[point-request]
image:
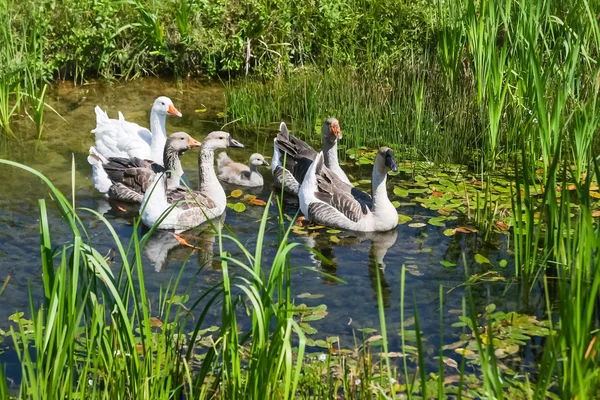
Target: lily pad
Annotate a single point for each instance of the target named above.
(239, 207)
(333, 231)
(447, 264)
(334, 239)
(417, 225)
(481, 259)
(438, 221)
(398, 191)
(503, 263)
(402, 219)
(236, 193)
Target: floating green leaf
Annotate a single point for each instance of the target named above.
(447, 264)
(503, 263)
(417, 225)
(239, 207)
(400, 192)
(402, 219)
(481, 259)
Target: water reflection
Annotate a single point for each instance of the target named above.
(163, 246)
(380, 244)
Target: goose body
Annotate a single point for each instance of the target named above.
(121, 138)
(240, 174)
(182, 209)
(292, 157)
(127, 179)
(326, 199)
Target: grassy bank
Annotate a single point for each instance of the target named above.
(78, 40)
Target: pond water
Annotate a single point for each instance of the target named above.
(350, 306)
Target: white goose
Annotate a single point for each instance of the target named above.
(299, 156)
(325, 199)
(120, 138)
(189, 209)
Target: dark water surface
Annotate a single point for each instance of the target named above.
(352, 305)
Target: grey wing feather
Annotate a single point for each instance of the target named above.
(121, 192)
(189, 199)
(338, 194)
(286, 179)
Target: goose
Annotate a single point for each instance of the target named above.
(120, 138)
(127, 179)
(325, 199)
(189, 209)
(299, 156)
(240, 174)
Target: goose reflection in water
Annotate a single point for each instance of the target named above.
(163, 246)
(381, 243)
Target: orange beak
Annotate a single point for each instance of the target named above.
(335, 129)
(194, 142)
(173, 111)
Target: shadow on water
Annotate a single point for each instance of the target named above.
(351, 257)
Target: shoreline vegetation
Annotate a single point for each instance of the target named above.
(509, 88)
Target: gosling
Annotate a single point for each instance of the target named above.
(239, 174)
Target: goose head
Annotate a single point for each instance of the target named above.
(164, 105)
(257, 160)
(385, 161)
(331, 131)
(181, 142)
(219, 140)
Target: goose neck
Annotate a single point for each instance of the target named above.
(379, 182)
(159, 136)
(173, 166)
(208, 183)
(330, 153)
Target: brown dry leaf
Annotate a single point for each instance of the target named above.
(502, 226)
(450, 362)
(393, 354)
(155, 322)
(572, 186)
(437, 194)
(478, 183)
(465, 229)
(374, 338)
(444, 212)
(453, 346)
(258, 202)
(451, 379)
(595, 195)
(596, 213)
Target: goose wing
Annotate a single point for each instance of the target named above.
(189, 199)
(134, 173)
(337, 194)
